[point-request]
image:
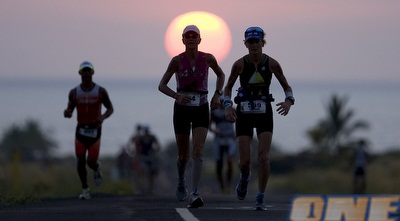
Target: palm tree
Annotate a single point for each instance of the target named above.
(336, 129)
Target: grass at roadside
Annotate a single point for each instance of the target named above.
(30, 182)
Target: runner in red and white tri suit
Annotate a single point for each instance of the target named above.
(88, 99)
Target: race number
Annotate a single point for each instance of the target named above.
(88, 132)
(194, 99)
(255, 107)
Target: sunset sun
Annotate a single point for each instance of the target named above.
(215, 34)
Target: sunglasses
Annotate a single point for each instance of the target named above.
(190, 36)
(253, 41)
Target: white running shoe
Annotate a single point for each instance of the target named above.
(85, 195)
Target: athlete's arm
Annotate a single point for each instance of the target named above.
(70, 105)
(163, 85)
(107, 104)
(237, 68)
(276, 68)
(213, 64)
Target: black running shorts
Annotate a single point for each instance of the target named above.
(186, 116)
(245, 123)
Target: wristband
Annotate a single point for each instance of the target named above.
(291, 99)
(227, 103)
(288, 94)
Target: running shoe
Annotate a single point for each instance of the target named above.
(181, 191)
(85, 195)
(241, 188)
(195, 201)
(260, 206)
(98, 176)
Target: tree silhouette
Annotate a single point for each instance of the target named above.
(336, 129)
(29, 141)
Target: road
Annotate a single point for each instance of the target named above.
(148, 208)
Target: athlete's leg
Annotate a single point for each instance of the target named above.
(182, 141)
(218, 169)
(93, 155)
(230, 158)
(199, 138)
(218, 161)
(244, 144)
(80, 152)
(229, 169)
(264, 145)
(244, 148)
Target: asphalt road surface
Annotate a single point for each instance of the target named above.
(148, 208)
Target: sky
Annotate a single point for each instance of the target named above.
(313, 40)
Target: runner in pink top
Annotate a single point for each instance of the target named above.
(191, 110)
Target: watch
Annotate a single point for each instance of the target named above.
(219, 92)
(291, 99)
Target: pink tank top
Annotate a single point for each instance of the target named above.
(193, 78)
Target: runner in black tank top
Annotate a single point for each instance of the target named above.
(254, 109)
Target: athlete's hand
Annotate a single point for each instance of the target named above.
(215, 102)
(68, 113)
(99, 121)
(284, 107)
(230, 114)
(182, 98)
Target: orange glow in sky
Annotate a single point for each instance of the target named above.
(214, 32)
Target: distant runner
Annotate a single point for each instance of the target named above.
(88, 98)
(224, 146)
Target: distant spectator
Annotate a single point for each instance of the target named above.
(134, 140)
(124, 163)
(148, 161)
(360, 159)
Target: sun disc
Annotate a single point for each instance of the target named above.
(214, 32)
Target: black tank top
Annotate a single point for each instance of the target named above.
(256, 81)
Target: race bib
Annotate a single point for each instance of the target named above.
(194, 99)
(87, 132)
(255, 107)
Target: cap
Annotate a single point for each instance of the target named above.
(191, 28)
(254, 33)
(86, 64)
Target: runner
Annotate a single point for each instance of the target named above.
(191, 110)
(224, 146)
(254, 109)
(88, 98)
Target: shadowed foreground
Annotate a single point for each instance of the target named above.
(147, 208)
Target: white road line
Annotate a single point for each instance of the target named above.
(186, 215)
